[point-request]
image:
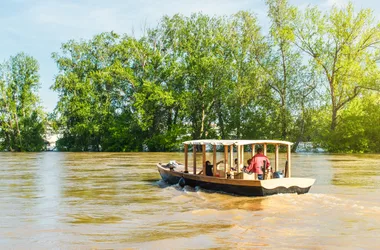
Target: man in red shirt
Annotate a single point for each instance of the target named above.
(257, 164)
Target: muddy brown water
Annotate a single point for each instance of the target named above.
(57, 200)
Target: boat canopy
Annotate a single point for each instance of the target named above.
(236, 142)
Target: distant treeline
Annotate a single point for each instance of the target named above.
(313, 76)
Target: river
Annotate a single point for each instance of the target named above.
(58, 200)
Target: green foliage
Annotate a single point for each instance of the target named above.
(21, 118)
(343, 46)
(311, 78)
(358, 130)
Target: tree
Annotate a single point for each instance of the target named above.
(22, 118)
(245, 89)
(194, 44)
(288, 77)
(158, 94)
(344, 48)
(94, 86)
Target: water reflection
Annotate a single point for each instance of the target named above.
(356, 171)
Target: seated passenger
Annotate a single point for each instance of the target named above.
(245, 167)
(209, 168)
(235, 166)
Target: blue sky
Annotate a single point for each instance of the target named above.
(39, 27)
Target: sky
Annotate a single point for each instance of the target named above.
(39, 27)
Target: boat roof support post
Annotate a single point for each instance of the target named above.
(276, 159)
(289, 172)
(186, 158)
(253, 150)
(265, 149)
(226, 166)
(194, 159)
(238, 149)
(231, 156)
(242, 156)
(204, 158)
(214, 160)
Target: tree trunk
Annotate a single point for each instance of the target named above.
(238, 120)
(175, 116)
(302, 130)
(334, 118)
(283, 118)
(334, 112)
(203, 130)
(221, 121)
(18, 134)
(169, 122)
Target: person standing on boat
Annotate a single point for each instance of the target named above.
(257, 164)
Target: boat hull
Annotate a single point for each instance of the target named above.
(245, 190)
(238, 186)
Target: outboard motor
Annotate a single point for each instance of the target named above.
(278, 174)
